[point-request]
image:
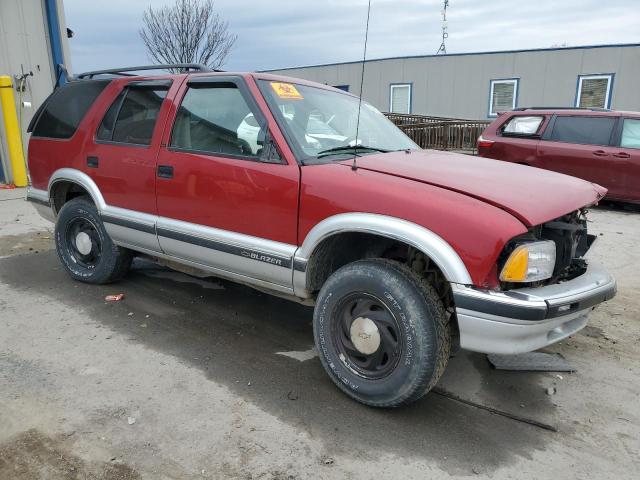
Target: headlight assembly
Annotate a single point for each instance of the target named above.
(530, 262)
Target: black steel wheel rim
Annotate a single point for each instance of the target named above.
(384, 360)
(76, 227)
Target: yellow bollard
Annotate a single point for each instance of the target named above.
(12, 130)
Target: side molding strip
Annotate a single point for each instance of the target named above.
(142, 227)
(38, 200)
(276, 260)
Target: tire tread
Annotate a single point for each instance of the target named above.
(428, 377)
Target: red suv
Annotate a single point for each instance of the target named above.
(301, 190)
(601, 146)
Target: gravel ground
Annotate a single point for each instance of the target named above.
(193, 379)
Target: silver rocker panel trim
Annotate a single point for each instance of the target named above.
(264, 260)
(218, 272)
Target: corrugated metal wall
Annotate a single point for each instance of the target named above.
(458, 85)
(24, 47)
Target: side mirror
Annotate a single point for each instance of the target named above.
(269, 152)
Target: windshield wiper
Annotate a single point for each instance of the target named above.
(347, 148)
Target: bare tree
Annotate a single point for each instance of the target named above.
(190, 31)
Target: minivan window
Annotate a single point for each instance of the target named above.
(521, 125)
(583, 130)
(66, 107)
(630, 133)
(132, 116)
(215, 118)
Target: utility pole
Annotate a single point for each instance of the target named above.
(445, 34)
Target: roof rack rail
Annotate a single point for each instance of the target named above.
(124, 70)
(592, 109)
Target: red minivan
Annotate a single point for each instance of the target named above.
(602, 146)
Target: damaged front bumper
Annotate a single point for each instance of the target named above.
(527, 319)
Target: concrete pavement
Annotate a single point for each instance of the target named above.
(185, 379)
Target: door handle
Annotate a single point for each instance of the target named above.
(600, 153)
(92, 162)
(622, 155)
(165, 171)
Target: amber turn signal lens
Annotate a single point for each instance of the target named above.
(515, 270)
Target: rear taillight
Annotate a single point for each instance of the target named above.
(484, 143)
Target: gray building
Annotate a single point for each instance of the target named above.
(479, 85)
(33, 39)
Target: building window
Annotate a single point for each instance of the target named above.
(503, 96)
(342, 87)
(594, 91)
(400, 98)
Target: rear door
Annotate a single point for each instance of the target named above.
(226, 197)
(121, 159)
(627, 160)
(121, 154)
(580, 146)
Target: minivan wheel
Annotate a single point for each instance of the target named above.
(382, 332)
(84, 247)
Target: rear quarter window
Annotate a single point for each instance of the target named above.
(522, 125)
(66, 107)
(583, 130)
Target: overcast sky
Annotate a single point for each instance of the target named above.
(296, 32)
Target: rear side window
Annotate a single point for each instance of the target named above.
(630, 134)
(521, 125)
(132, 116)
(583, 130)
(66, 108)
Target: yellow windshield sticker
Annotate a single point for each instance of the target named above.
(286, 90)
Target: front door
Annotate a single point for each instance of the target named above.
(226, 198)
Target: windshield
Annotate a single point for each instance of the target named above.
(319, 122)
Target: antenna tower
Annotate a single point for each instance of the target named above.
(445, 33)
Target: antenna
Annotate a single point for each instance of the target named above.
(445, 33)
(364, 58)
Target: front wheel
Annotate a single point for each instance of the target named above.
(382, 332)
(84, 247)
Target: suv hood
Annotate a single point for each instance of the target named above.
(532, 195)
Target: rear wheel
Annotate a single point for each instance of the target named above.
(382, 332)
(84, 247)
